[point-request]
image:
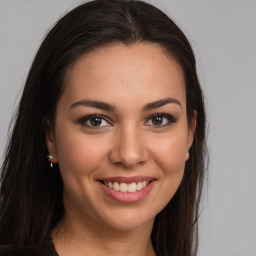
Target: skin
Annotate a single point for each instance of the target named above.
(127, 143)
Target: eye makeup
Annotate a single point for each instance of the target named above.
(97, 121)
(159, 120)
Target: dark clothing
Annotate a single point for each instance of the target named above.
(47, 250)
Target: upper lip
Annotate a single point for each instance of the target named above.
(128, 180)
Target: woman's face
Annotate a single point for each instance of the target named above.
(121, 136)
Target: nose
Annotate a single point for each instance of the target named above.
(129, 149)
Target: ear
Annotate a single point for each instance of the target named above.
(50, 142)
(191, 132)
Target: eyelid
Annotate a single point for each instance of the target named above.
(171, 119)
(84, 119)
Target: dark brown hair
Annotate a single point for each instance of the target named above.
(31, 193)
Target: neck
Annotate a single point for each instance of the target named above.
(76, 237)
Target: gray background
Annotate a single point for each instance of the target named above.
(223, 35)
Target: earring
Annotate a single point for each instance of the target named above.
(50, 160)
(187, 156)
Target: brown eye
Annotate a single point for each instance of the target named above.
(95, 121)
(157, 120)
(160, 120)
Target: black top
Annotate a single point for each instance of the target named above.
(47, 250)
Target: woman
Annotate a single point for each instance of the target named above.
(107, 151)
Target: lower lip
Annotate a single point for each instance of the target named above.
(127, 197)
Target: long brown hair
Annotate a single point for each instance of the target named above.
(31, 193)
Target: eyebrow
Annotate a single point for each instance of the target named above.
(160, 103)
(94, 104)
(111, 108)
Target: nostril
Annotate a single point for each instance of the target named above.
(129, 153)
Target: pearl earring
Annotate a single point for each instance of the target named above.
(50, 160)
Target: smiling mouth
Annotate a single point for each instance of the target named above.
(126, 187)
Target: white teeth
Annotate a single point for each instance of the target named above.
(132, 187)
(139, 186)
(116, 186)
(124, 187)
(109, 184)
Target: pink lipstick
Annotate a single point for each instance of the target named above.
(127, 189)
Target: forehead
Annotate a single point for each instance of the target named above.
(138, 73)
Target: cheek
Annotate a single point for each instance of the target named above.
(79, 158)
(78, 155)
(170, 157)
(171, 153)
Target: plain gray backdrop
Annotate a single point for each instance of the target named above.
(223, 35)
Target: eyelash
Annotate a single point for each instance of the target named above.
(83, 120)
(170, 119)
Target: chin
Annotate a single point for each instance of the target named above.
(128, 219)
